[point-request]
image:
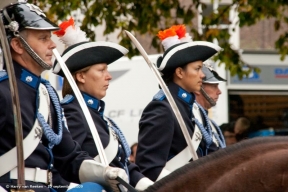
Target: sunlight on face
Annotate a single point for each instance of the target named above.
(192, 75)
(40, 41)
(96, 80)
(213, 91)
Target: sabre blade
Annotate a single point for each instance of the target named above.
(84, 107)
(168, 95)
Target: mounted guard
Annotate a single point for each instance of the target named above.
(205, 99)
(47, 142)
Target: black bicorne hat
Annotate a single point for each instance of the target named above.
(84, 54)
(81, 53)
(27, 16)
(183, 53)
(181, 50)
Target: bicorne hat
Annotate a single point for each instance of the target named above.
(211, 76)
(181, 50)
(19, 16)
(82, 53)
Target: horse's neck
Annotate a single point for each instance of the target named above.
(238, 166)
(259, 161)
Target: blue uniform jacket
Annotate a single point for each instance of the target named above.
(80, 132)
(160, 137)
(67, 155)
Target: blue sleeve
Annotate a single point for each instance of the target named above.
(68, 157)
(155, 137)
(76, 122)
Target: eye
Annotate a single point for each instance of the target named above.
(45, 38)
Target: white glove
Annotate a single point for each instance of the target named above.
(143, 184)
(110, 175)
(92, 171)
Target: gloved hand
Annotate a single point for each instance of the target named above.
(110, 175)
(92, 171)
(143, 184)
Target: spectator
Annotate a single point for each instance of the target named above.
(133, 152)
(241, 128)
(228, 132)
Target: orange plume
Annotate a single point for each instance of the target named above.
(180, 30)
(166, 33)
(63, 26)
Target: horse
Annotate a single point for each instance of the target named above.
(252, 165)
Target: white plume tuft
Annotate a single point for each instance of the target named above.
(73, 35)
(187, 38)
(170, 41)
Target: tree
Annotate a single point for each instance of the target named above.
(148, 16)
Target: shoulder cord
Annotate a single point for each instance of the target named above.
(123, 141)
(205, 132)
(121, 137)
(54, 139)
(220, 138)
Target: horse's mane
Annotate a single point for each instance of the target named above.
(246, 148)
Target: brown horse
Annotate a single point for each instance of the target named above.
(259, 164)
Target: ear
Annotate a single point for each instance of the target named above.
(80, 77)
(16, 45)
(179, 72)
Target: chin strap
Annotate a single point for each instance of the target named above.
(34, 55)
(14, 27)
(207, 97)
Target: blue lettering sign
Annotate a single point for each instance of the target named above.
(281, 72)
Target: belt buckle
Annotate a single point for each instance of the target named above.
(49, 178)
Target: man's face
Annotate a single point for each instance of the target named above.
(212, 90)
(40, 41)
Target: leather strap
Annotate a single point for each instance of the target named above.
(215, 131)
(185, 156)
(2, 189)
(32, 174)
(111, 149)
(31, 141)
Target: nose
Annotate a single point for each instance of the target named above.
(52, 44)
(219, 91)
(109, 77)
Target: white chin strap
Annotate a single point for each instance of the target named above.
(207, 97)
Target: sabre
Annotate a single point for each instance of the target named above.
(15, 99)
(84, 108)
(168, 95)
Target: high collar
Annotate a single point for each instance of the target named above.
(94, 103)
(181, 93)
(26, 76)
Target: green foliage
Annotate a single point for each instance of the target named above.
(150, 16)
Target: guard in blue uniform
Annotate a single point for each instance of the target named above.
(161, 144)
(205, 99)
(47, 142)
(88, 63)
